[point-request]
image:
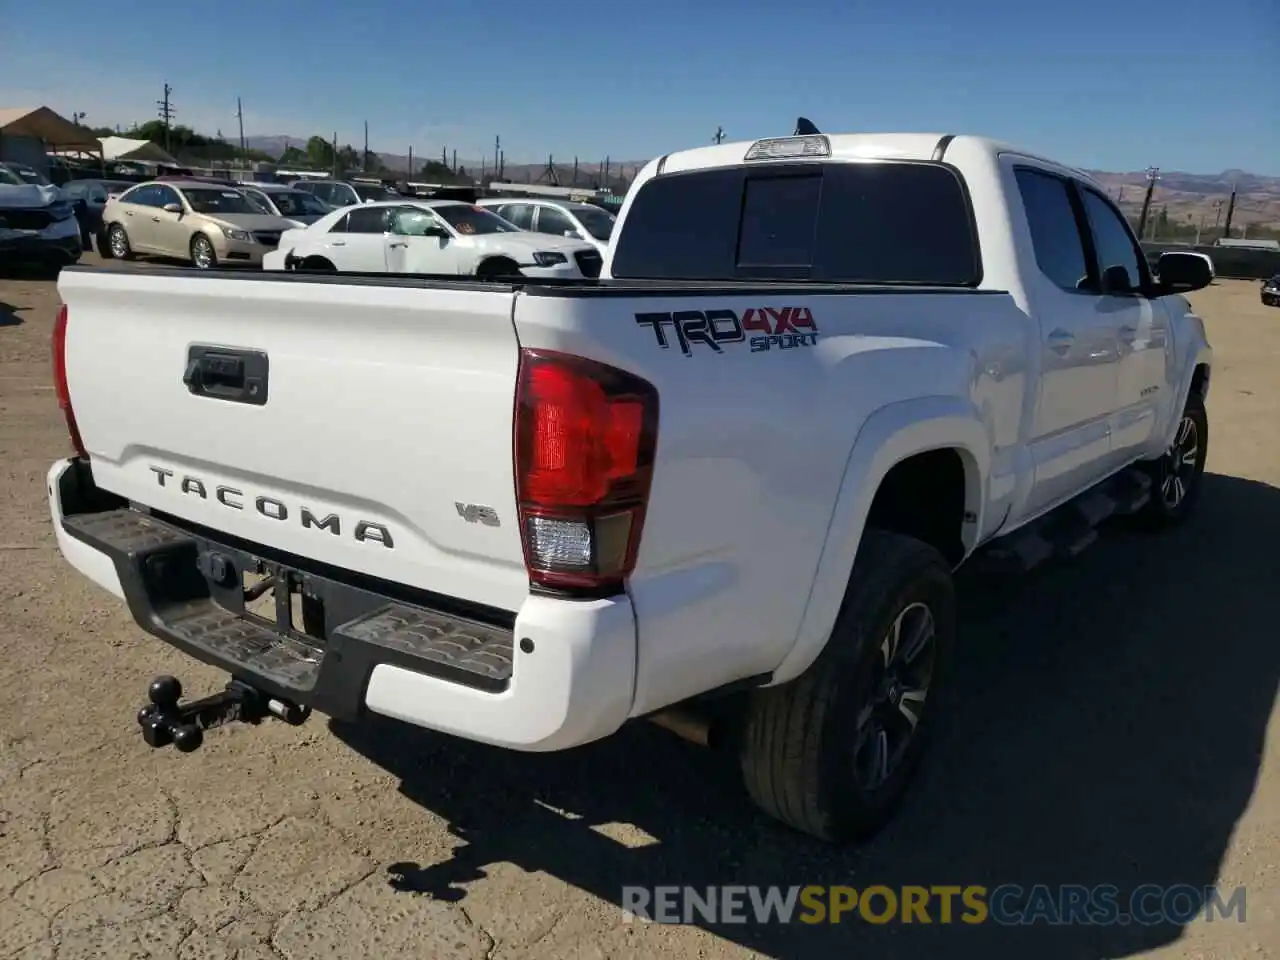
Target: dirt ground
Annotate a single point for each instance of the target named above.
(1109, 725)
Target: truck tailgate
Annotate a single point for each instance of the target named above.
(379, 441)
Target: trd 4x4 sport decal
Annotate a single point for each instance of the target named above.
(775, 328)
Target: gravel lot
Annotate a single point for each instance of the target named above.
(1109, 726)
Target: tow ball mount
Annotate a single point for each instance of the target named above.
(164, 721)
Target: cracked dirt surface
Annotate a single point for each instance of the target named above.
(1109, 725)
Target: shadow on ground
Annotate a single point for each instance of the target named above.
(1106, 726)
(9, 315)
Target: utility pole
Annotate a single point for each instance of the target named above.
(364, 164)
(1231, 209)
(575, 171)
(497, 153)
(166, 112)
(1153, 174)
(411, 159)
(718, 136)
(334, 154)
(240, 117)
(454, 165)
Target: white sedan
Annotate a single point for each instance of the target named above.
(431, 237)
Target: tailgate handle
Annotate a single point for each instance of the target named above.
(239, 376)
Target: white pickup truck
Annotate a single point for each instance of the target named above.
(724, 487)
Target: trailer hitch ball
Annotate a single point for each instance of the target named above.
(164, 692)
(188, 737)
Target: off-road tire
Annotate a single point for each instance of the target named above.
(798, 739)
(1159, 513)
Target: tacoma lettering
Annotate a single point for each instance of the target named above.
(271, 508)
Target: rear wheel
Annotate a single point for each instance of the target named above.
(202, 254)
(831, 753)
(118, 242)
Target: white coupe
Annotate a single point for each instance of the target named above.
(431, 237)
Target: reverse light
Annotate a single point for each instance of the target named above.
(60, 380)
(790, 148)
(585, 436)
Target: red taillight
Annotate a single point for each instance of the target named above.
(584, 443)
(60, 379)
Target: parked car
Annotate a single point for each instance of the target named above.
(37, 222)
(190, 220)
(281, 201)
(430, 236)
(1271, 291)
(90, 199)
(336, 194)
(560, 218)
(724, 488)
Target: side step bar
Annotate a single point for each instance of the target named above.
(1068, 530)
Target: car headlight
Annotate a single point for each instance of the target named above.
(62, 210)
(544, 258)
(231, 234)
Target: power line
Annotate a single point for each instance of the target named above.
(167, 112)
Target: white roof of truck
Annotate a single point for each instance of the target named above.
(856, 146)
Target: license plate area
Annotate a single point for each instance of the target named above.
(270, 594)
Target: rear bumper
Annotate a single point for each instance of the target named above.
(562, 673)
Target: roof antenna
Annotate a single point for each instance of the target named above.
(805, 128)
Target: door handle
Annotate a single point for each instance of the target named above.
(398, 243)
(338, 243)
(128, 213)
(155, 219)
(1128, 334)
(1060, 340)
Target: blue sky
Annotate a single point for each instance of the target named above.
(1111, 84)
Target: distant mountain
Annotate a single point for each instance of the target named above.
(1199, 198)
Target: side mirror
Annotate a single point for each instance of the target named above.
(573, 234)
(435, 231)
(172, 208)
(1181, 272)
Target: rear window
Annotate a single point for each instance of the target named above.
(891, 223)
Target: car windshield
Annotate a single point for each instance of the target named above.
(260, 201)
(9, 178)
(374, 191)
(295, 203)
(469, 220)
(599, 223)
(212, 200)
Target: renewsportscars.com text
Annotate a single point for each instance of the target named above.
(1006, 905)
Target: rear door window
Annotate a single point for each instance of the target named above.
(886, 222)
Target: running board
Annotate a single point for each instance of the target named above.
(1066, 530)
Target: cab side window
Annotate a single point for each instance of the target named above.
(1055, 230)
(1120, 261)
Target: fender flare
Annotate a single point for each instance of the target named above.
(890, 435)
(1197, 354)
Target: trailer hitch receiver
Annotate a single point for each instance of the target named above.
(164, 721)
